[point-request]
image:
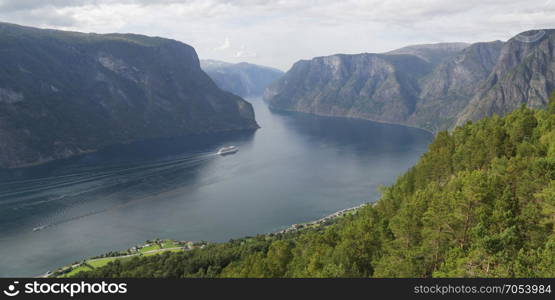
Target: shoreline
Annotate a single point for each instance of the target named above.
(353, 118)
(337, 214)
(190, 245)
(149, 247)
(82, 153)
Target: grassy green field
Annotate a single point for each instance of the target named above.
(152, 249)
(149, 248)
(169, 244)
(160, 252)
(97, 263)
(75, 271)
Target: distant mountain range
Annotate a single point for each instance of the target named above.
(66, 93)
(242, 79)
(434, 87)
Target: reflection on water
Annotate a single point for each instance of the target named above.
(294, 169)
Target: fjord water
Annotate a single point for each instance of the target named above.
(296, 168)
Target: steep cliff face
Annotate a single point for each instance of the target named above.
(242, 79)
(523, 74)
(423, 85)
(372, 86)
(64, 93)
(447, 91)
(433, 87)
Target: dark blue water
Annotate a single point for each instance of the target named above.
(296, 168)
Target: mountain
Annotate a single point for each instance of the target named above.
(479, 203)
(425, 86)
(432, 53)
(523, 74)
(451, 83)
(242, 79)
(447, 90)
(381, 87)
(378, 87)
(66, 93)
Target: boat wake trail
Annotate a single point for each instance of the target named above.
(82, 191)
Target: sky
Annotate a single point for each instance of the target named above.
(280, 32)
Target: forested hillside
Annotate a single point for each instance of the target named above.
(479, 203)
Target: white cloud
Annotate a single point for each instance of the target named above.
(245, 54)
(279, 32)
(226, 44)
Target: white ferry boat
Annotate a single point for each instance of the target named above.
(228, 150)
(39, 228)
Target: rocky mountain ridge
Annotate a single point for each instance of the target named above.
(433, 87)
